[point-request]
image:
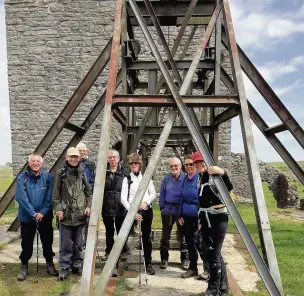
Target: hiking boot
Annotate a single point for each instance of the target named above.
(185, 264)
(204, 276)
(224, 287)
(164, 264)
(115, 272)
(63, 274)
(77, 270)
(212, 293)
(150, 270)
(51, 270)
(189, 273)
(23, 273)
(104, 257)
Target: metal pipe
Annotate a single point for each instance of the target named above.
(97, 201)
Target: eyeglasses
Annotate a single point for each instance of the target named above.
(133, 163)
(174, 166)
(189, 164)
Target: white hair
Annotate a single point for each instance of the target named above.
(175, 158)
(35, 154)
(82, 146)
(115, 152)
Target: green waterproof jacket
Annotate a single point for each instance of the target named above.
(71, 194)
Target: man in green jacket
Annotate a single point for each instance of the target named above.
(72, 200)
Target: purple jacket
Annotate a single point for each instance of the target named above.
(171, 194)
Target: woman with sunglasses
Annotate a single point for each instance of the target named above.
(145, 213)
(188, 214)
(213, 219)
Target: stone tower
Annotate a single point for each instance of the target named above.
(51, 45)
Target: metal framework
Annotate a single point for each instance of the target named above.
(173, 91)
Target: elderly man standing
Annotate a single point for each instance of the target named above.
(33, 194)
(113, 212)
(169, 203)
(72, 200)
(89, 167)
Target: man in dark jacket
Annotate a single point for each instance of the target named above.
(113, 212)
(72, 200)
(33, 194)
(89, 167)
(169, 203)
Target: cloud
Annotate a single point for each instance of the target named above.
(259, 26)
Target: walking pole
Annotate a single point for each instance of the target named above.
(140, 249)
(37, 251)
(59, 247)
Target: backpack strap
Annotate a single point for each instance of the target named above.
(129, 185)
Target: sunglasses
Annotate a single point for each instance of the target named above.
(133, 163)
(174, 166)
(189, 164)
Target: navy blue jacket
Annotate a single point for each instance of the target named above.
(190, 200)
(33, 194)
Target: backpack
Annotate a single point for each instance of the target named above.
(62, 176)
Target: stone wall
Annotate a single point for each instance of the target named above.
(285, 194)
(51, 45)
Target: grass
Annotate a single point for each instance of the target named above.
(288, 240)
(9, 286)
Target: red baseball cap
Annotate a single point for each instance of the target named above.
(197, 156)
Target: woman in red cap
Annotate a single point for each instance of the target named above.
(213, 217)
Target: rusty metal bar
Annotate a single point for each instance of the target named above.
(226, 115)
(273, 140)
(63, 118)
(276, 129)
(276, 144)
(168, 100)
(97, 201)
(152, 130)
(120, 117)
(273, 282)
(269, 95)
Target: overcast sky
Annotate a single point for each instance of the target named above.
(270, 32)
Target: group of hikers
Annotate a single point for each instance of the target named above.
(187, 197)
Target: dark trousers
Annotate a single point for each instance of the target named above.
(190, 227)
(146, 225)
(28, 231)
(166, 234)
(111, 223)
(70, 246)
(201, 248)
(214, 238)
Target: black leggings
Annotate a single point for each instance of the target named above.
(213, 238)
